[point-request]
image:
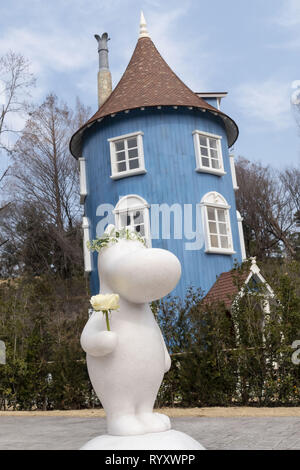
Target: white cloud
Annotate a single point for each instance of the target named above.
(288, 19)
(54, 50)
(289, 15)
(265, 104)
(53, 55)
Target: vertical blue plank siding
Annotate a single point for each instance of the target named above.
(212, 101)
(171, 178)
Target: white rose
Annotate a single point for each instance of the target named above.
(105, 302)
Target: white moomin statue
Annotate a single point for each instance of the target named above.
(126, 365)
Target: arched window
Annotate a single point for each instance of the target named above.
(216, 223)
(133, 210)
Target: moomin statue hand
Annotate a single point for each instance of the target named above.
(94, 341)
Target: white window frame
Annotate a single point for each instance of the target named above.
(199, 166)
(135, 171)
(233, 173)
(241, 235)
(130, 203)
(82, 179)
(87, 255)
(216, 201)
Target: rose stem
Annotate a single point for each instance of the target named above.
(107, 320)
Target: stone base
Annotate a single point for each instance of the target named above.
(168, 440)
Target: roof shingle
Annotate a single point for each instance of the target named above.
(226, 287)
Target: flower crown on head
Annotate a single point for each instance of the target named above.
(112, 235)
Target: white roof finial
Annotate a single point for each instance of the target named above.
(254, 268)
(143, 27)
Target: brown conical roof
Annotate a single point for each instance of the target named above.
(149, 81)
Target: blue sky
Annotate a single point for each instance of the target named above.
(249, 48)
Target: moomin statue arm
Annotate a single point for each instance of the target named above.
(94, 340)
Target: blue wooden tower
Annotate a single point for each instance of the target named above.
(155, 156)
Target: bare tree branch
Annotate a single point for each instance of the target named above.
(43, 226)
(266, 207)
(16, 81)
(3, 242)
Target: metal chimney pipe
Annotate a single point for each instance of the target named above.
(104, 75)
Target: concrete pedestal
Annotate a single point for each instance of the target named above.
(167, 440)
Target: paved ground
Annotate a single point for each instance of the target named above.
(214, 433)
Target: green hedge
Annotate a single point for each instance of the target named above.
(242, 357)
(218, 358)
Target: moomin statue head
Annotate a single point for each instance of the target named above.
(137, 273)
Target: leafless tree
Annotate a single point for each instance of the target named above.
(44, 172)
(266, 207)
(16, 82)
(44, 175)
(290, 178)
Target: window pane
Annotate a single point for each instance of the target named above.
(213, 143)
(213, 154)
(222, 229)
(224, 242)
(140, 229)
(221, 215)
(132, 142)
(211, 213)
(203, 141)
(124, 219)
(138, 217)
(120, 156)
(122, 166)
(134, 164)
(119, 145)
(215, 164)
(214, 241)
(205, 161)
(212, 227)
(204, 151)
(133, 153)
